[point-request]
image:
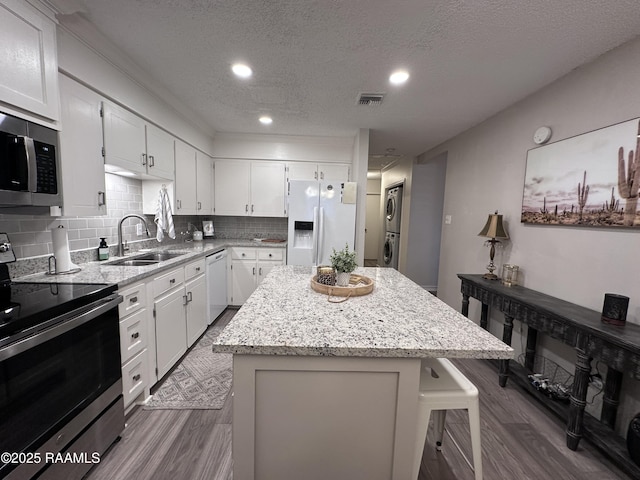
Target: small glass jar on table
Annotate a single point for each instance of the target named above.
(510, 275)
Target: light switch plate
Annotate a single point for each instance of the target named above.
(447, 219)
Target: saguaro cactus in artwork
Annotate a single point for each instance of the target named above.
(613, 205)
(629, 182)
(583, 193)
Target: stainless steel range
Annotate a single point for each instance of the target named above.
(61, 401)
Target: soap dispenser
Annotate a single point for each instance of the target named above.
(103, 249)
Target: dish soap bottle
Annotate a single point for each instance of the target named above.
(103, 249)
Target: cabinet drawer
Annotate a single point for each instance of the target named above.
(133, 334)
(270, 253)
(167, 281)
(242, 253)
(194, 269)
(135, 298)
(135, 377)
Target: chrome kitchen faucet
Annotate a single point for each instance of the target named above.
(121, 246)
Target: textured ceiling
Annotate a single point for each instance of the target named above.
(468, 59)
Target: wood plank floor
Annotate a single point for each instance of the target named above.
(519, 441)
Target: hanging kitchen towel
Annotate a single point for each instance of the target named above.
(164, 219)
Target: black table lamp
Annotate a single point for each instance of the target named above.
(493, 230)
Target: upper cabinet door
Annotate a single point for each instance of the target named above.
(333, 171)
(28, 60)
(231, 191)
(83, 185)
(124, 139)
(268, 189)
(302, 171)
(204, 184)
(160, 154)
(185, 203)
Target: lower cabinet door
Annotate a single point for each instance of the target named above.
(243, 280)
(135, 377)
(196, 308)
(171, 330)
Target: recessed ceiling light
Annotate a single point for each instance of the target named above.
(399, 77)
(241, 70)
(266, 120)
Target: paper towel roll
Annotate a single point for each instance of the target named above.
(61, 250)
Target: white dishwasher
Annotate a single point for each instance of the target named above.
(216, 284)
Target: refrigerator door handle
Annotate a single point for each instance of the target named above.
(314, 258)
(320, 234)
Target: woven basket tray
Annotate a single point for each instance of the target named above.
(358, 285)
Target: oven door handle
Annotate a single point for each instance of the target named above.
(63, 323)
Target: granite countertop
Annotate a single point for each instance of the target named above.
(284, 316)
(100, 272)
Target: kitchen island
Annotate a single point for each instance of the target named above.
(330, 390)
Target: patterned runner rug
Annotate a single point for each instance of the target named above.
(201, 381)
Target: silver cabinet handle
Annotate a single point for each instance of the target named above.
(260, 271)
(136, 377)
(197, 269)
(321, 175)
(189, 296)
(133, 299)
(144, 159)
(185, 300)
(254, 270)
(252, 208)
(152, 161)
(102, 199)
(199, 205)
(172, 281)
(246, 208)
(315, 175)
(135, 335)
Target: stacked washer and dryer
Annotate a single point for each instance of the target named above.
(393, 212)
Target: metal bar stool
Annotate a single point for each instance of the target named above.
(443, 387)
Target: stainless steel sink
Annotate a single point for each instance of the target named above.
(145, 259)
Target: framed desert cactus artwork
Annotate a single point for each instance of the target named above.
(591, 180)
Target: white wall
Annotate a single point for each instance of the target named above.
(485, 172)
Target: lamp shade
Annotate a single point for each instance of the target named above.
(494, 227)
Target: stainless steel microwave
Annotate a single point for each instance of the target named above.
(29, 169)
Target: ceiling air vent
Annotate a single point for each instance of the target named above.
(371, 99)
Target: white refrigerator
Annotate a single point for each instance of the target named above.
(322, 216)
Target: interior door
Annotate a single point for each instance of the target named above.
(373, 227)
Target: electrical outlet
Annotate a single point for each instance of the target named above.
(139, 229)
(447, 219)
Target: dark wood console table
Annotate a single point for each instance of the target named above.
(579, 327)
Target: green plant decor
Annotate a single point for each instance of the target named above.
(343, 261)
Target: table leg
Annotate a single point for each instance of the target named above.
(484, 316)
(506, 338)
(465, 305)
(530, 352)
(611, 398)
(579, 394)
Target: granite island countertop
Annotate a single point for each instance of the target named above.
(284, 316)
(101, 272)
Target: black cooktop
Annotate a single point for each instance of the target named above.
(23, 306)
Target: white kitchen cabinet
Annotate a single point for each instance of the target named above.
(186, 173)
(194, 181)
(196, 291)
(204, 184)
(171, 329)
(82, 164)
(180, 311)
(135, 145)
(232, 187)
(318, 171)
(249, 266)
(249, 188)
(134, 344)
(28, 59)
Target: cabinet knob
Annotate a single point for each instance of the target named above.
(197, 269)
(271, 255)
